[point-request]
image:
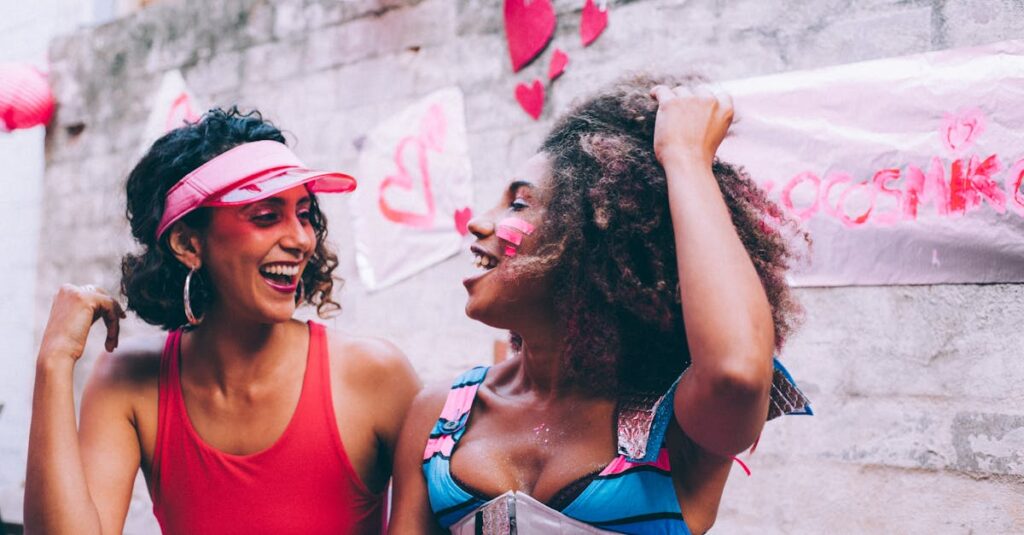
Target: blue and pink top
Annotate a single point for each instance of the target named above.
(641, 470)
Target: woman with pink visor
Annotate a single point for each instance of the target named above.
(242, 419)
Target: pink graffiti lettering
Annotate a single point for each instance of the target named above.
(787, 195)
(881, 182)
(924, 188)
(1015, 181)
(968, 186)
(884, 200)
(869, 188)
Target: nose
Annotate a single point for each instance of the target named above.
(299, 237)
(481, 226)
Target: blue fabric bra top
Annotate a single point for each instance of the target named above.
(641, 471)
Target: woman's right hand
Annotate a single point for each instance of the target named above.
(74, 310)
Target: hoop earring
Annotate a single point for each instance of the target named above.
(192, 319)
(301, 293)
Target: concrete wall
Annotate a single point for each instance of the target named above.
(919, 428)
(25, 32)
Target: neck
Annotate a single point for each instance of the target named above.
(539, 368)
(228, 353)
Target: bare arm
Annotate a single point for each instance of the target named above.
(722, 400)
(410, 510)
(78, 482)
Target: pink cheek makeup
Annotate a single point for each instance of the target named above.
(512, 230)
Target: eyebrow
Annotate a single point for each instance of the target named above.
(277, 201)
(516, 184)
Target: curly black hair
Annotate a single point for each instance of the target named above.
(153, 280)
(613, 254)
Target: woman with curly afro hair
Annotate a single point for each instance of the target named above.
(643, 282)
(242, 419)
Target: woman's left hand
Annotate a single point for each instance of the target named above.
(691, 123)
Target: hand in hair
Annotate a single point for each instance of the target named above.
(691, 123)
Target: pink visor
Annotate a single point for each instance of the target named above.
(245, 174)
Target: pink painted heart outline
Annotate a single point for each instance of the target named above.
(960, 130)
(433, 129)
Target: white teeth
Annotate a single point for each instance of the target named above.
(484, 262)
(280, 269)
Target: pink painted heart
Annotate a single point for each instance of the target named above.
(531, 98)
(558, 62)
(462, 217)
(594, 21)
(403, 181)
(959, 131)
(529, 25)
(431, 136)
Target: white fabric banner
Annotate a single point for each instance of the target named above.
(412, 205)
(904, 170)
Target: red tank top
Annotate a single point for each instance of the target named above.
(302, 483)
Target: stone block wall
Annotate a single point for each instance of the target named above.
(920, 426)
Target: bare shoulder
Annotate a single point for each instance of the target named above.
(133, 365)
(369, 361)
(427, 406)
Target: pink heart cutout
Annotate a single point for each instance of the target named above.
(531, 98)
(558, 62)
(959, 131)
(594, 21)
(462, 217)
(529, 25)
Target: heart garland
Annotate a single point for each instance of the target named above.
(529, 27)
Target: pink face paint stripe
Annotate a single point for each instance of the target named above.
(510, 235)
(516, 223)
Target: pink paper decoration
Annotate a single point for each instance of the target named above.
(25, 97)
(531, 98)
(558, 62)
(593, 22)
(529, 25)
(462, 217)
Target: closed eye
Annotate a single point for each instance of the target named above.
(265, 218)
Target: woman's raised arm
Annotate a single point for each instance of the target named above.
(722, 400)
(79, 482)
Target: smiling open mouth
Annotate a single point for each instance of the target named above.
(483, 260)
(281, 276)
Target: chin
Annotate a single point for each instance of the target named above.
(276, 313)
(491, 318)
